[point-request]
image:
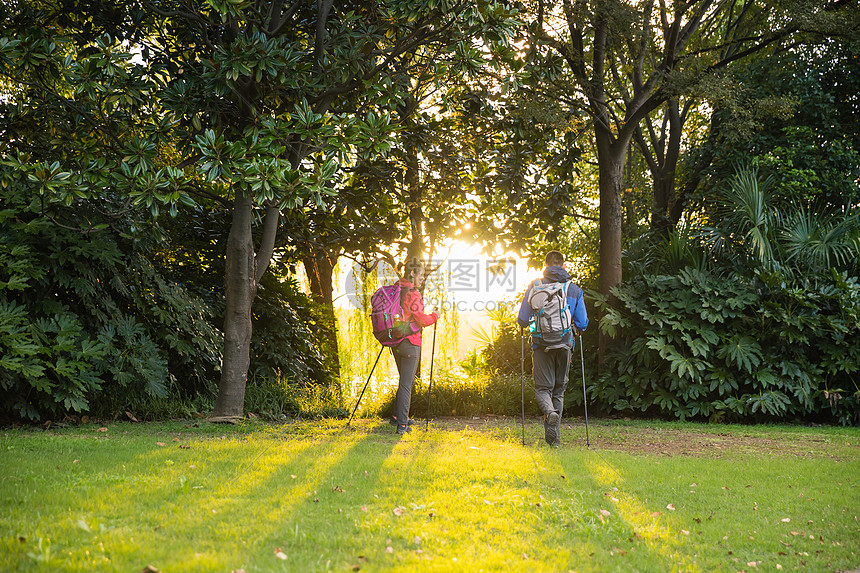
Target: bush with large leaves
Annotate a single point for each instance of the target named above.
(697, 345)
(753, 319)
(84, 312)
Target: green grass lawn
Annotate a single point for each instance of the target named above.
(464, 496)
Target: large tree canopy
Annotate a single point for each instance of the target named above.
(253, 103)
(619, 62)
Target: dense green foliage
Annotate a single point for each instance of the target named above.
(699, 345)
(87, 314)
(107, 320)
(113, 115)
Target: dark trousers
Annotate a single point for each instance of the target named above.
(550, 370)
(406, 356)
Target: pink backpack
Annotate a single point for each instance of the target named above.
(386, 315)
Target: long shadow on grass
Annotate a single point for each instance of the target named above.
(204, 500)
(627, 527)
(257, 514)
(307, 530)
(445, 500)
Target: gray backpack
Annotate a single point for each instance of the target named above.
(551, 315)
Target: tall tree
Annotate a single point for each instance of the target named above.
(626, 60)
(403, 201)
(259, 102)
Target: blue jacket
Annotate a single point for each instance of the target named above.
(556, 274)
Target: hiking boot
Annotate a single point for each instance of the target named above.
(393, 421)
(403, 429)
(551, 432)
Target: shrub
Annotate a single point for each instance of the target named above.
(85, 314)
(697, 345)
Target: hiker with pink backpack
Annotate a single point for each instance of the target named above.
(397, 317)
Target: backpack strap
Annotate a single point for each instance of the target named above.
(403, 293)
(577, 294)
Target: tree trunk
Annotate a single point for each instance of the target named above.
(611, 179)
(416, 197)
(240, 290)
(319, 266)
(663, 168)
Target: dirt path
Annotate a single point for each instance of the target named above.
(693, 440)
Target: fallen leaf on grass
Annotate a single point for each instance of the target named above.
(656, 514)
(364, 508)
(280, 554)
(101, 430)
(785, 519)
(389, 549)
(131, 416)
(337, 489)
(398, 511)
(670, 507)
(161, 444)
(685, 532)
(604, 513)
(149, 569)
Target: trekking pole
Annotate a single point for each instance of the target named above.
(584, 397)
(365, 386)
(523, 382)
(430, 386)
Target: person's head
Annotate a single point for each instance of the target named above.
(554, 259)
(413, 271)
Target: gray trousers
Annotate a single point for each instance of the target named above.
(550, 370)
(406, 356)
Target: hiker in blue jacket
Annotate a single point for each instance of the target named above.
(550, 365)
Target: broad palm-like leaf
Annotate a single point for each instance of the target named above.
(684, 247)
(821, 241)
(750, 215)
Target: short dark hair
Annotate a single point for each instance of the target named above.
(412, 266)
(554, 258)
